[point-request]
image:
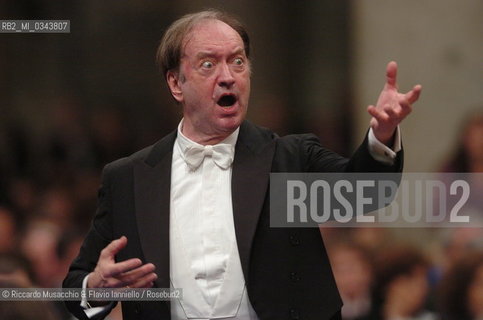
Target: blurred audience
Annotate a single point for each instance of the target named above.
(401, 286)
(22, 197)
(354, 274)
(458, 243)
(67, 248)
(468, 156)
(39, 244)
(16, 272)
(67, 145)
(8, 231)
(461, 290)
(466, 163)
(26, 310)
(372, 239)
(109, 130)
(16, 269)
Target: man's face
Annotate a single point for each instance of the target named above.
(213, 83)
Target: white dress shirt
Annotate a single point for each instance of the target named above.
(204, 259)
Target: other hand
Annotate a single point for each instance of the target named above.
(392, 106)
(111, 274)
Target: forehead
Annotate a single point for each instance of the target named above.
(211, 36)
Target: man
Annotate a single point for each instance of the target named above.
(194, 206)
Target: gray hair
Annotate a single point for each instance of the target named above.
(169, 52)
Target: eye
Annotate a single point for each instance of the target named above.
(207, 64)
(238, 61)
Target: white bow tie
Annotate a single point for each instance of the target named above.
(222, 155)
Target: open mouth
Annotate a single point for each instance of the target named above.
(227, 100)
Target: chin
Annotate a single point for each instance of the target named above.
(229, 128)
(230, 123)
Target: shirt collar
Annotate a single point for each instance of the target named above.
(184, 142)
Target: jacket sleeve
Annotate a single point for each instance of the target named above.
(98, 237)
(320, 159)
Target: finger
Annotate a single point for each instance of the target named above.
(405, 107)
(413, 95)
(380, 115)
(145, 282)
(391, 74)
(371, 109)
(392, 113)
(113, 248)
(139, 281)
(373, 123)
(119, 268)
(136, 274)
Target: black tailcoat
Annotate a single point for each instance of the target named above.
(286, 270)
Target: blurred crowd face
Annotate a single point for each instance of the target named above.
(406, 294)
(213, 82)
(7, 231)
(57, 206)
(473, 140)
(475, 294)
(39, 245)
(460, 244)
(18, 277)
(352, 273)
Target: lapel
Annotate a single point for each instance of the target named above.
(251, 170)
(152, 184)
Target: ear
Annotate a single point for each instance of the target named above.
(174, 85)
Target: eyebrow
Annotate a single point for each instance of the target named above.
(204, 54)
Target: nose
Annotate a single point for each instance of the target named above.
(225, 78)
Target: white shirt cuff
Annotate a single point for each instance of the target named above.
(380, 151)
(88, 310)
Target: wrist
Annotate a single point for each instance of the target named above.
(95, 280)
(385, 138)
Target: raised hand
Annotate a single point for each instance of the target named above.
(392, 106)
(130, 273)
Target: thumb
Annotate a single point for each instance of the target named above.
(113, 248)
